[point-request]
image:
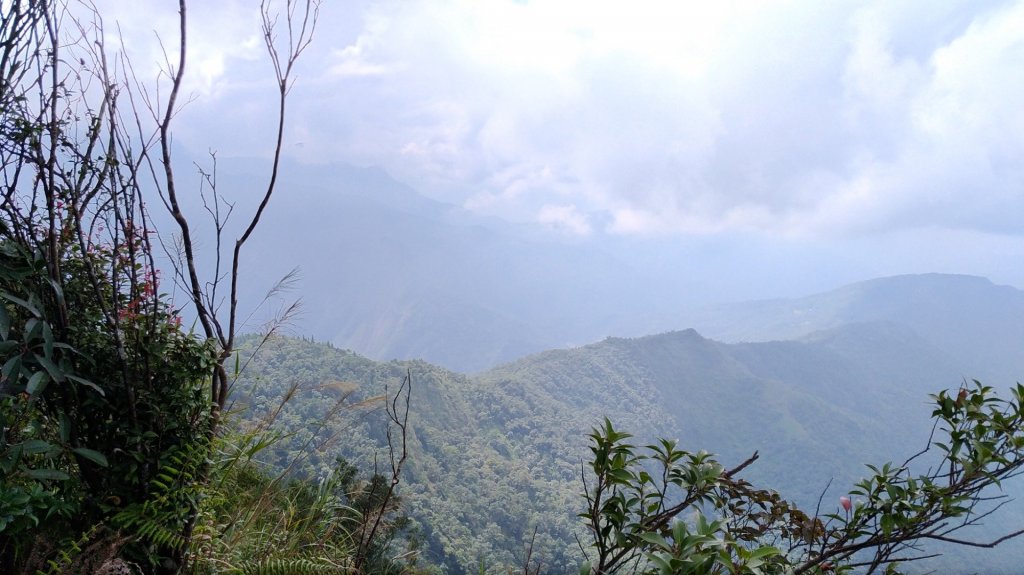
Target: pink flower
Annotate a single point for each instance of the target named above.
(846, 503)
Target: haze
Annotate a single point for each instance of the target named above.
(739, 150)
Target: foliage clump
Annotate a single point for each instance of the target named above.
(111, 410)
(665, 510)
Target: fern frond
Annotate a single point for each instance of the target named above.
(69, 551)
(149, 528)
(161, 518)
(293, 566)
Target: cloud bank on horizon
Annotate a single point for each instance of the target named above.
(789, 119)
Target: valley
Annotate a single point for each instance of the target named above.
(498, 453)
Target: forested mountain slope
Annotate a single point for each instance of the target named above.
(497, 454)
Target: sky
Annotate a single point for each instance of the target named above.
(883, 136)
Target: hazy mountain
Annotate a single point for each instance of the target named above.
(976, 323)
(391, 274)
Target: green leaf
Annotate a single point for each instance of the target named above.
(18, 301)
(47, 474)
(92, 455)
(663, 564)
(57, 291)
(5, 323)
(37, 383)
(64, 427)
(762, 552)
(679, 531)
(887, 524)
(33, 329)
(12, 368)
(37, 446)
(621, 476)
(51, 368)
(84, 382)
(47, 340)
(655, 539)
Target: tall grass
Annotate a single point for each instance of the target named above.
(255, 519)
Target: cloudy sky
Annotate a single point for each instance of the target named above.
(888, 134)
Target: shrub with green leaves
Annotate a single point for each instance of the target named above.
(102, 395)
(109, 406)
(663, 510)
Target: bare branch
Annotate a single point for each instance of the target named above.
(397, 409)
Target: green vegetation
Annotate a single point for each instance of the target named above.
(495, 456)
(105, 420)
(124, 473)
(251, 521)
(122, 450)
(116, 451)
(638, 503)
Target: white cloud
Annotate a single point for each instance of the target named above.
(221, 36)
(350, 61)
(788, 118)
(565, 218)
(946, 137)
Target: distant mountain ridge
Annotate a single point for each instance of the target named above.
(390, 273)
(979, 325)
